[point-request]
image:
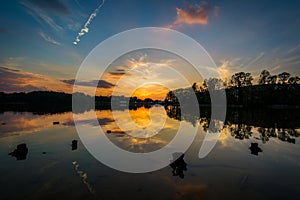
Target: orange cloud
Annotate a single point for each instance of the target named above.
(194, 14)
(16, 80)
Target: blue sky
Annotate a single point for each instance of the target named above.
(37, 36)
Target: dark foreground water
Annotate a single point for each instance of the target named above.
(53, 169)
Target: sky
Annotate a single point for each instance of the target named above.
(44, 42)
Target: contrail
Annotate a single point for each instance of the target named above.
(85, 28)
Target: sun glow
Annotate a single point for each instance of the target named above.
(152, 91)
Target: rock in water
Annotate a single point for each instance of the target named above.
(255, 149)
(74, 144)
(21, 152)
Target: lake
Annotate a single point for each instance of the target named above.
(256, 157)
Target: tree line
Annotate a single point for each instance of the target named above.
(242, 79)
(42, 102)
(270, 90)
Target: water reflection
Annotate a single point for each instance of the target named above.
(240, 124)
(18, 123)
(84, 177)
(240, 131)
(246, 124)
(254, 146)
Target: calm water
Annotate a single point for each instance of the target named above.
(52, 170)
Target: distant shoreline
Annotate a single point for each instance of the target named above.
(270, 96)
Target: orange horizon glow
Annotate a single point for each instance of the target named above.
(155, 92)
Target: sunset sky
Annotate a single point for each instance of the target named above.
(43, 42)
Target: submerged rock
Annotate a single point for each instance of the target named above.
(255, 149)
(74, 144)
(21, 152)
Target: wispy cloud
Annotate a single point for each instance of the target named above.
(43, 67)
(56, 6)
(194, 14)
(59, 15)
(48, 38)
(290, 63)
(40, 16)
(289, 60)
(256, 59)
(228, 67)
(291, 50)
(85, 28)
(254, 65)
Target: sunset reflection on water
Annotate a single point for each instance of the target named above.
(231, 168)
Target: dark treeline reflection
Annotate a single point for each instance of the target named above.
(241, 122)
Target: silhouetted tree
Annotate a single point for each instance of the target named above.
(171, 98)
(248, 79)
(263, 78)
(283, 77)
(204, 86)
(241, 79)
(272, 79)
(214, 84)
(293, 80)
(272, 90)
(235, 80)
(194, 86)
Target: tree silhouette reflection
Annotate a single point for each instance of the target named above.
(240, 131)
(241, 123)
(178, 165)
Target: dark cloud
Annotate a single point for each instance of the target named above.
(105, 84)
(56, 6)
(14, 88)
(117, 73)
(12, 80)
(99, 83)
(5, 87)
(69, 81)
(9, 69)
